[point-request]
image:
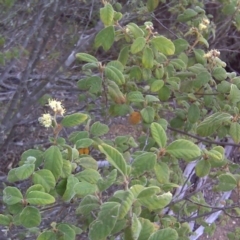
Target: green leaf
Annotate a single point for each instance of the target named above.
(157, 85)
(117, 64)
(187, 15)
(86, 57)
(84, 188)
(204, 41)
(39, 198)
(178, 64)
(30, 217)
(88, 162)
(219, 73)
(88, 204)
(47, 235)
(147, 229)
(66, 169)
(32, 153)
(105, 38)
(235, 132)
(201, 79)
(45, 178)
(227, 182)
(234, 96)
(210, 124)
(138, 45)
(105, 222)
(180, 45)
(114, 74)
(147, 58)
(158, 134)
(135, 96)
(229, 9)
(183, 149)
(148, 114)
(74, 119)
(193, 113)
(144, 162)
(5, 220)
(36, 187)
(104, 184)
(136, 226)
(93, 84)
(203, 168)
(123, 55)
(106, 14)
(156, 202)
(162, 172)
(163, 45)
(11, 195)
(165, 234)
(151, 98)
(126, 204)
(69, 192)
(88, 175)
(114, 157)
(84, 143)
(151, 5)
(148, 192)
(135, 30)
(53, 161)
(98, 129)
(199, 55)
(65, 232)
(164, 93)
(73, 137)
(21, 173)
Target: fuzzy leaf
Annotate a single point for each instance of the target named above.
(158, 134)
(114, 157)
(30, 217)
(106, 14)
(235, 132)
(163, 45)
(183, 149)
(74, 119)
(203, 168)
(53, 161)
(105, 38)
(86, 57)
(39, 198)
(147, 58)
(165, 234)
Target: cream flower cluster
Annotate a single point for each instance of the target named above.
(56, 106)
(204, 24)
(46, 119)
(213, 59)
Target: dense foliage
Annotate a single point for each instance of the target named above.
(177, 89)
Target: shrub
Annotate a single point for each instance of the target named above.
(167, 86)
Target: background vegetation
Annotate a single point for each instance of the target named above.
(169, 67)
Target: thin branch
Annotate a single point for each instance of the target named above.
(203, 139)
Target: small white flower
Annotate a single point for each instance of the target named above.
(202, 27)
(45, 120)
(56, 106)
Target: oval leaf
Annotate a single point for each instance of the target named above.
(39, 198)
(74, 119)
(203, 168)
(30, 217)
(183, 149)
(158, 134)
(114, 157)
(163, 45)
